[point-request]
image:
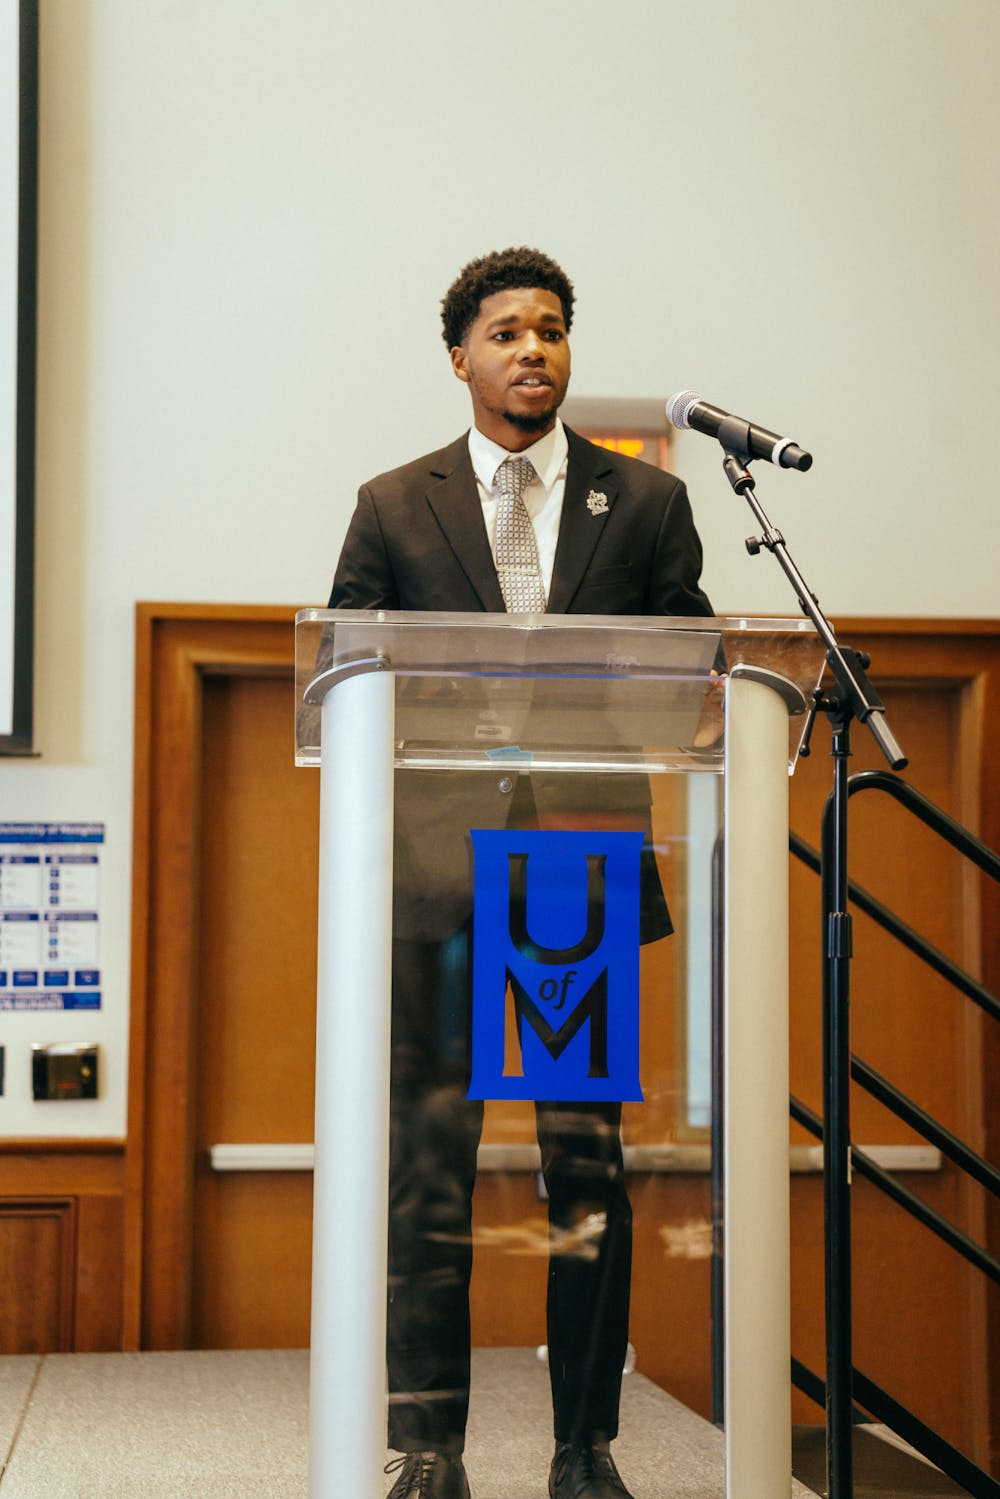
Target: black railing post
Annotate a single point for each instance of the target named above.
(837, 1121)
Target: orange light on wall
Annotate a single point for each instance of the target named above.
(638, 428)
(649, 449)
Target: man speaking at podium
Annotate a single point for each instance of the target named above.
(520, 515)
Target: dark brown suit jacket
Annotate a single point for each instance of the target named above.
(417, 540)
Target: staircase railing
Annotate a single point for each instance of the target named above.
(865, 1392)
(891, 1412)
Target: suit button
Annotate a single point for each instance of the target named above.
(505, 785)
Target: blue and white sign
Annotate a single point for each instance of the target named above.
(50, 882)
(555, 989)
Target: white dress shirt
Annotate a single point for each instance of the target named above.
(543, 497)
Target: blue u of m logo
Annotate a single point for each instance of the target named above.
(555, 987)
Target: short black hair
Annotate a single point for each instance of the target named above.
(501, 270)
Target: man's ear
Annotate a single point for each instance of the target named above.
(460, 363)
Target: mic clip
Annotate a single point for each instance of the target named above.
(734, 436)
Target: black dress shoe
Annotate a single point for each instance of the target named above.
(428, 1475)
(585, 1473)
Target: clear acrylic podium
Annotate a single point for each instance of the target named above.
(703, 709)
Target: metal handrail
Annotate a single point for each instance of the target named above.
(923, 1438)
(914, 1205)
(921, 806)
(904, 1423)
(920, 1436)
(842, 1377)
(903, 933)
(917, 1118)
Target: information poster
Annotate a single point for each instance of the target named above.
(50, 921)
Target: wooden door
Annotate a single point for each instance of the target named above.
(256, 1014)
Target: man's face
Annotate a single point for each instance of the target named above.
(515, 361)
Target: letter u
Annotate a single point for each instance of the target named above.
(518, 917)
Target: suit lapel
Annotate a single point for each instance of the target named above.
(588, 477)
(453, 496)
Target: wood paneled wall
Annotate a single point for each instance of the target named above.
(61, 1238)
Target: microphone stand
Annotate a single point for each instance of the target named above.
(852, 696)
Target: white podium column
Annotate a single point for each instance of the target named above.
(757, 1253)
(347, 1359)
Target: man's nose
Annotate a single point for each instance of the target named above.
(532, 348)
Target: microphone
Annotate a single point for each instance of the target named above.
(686, 409)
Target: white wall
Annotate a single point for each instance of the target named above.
(251, 208)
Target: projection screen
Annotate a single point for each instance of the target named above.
(18, 246)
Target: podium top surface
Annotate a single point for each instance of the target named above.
(550, 691)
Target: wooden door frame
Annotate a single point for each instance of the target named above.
(177, 646)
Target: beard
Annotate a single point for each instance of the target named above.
(538, 421)
(495, 403)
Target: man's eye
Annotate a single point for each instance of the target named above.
(553, 335)
(502, 335)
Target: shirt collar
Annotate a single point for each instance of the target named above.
(547, 456)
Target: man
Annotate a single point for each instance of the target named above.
(519, 514)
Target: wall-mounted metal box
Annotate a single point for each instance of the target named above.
(66, 1069)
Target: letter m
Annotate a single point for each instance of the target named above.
(593, 1007)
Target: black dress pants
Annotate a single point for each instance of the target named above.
(434, 1135)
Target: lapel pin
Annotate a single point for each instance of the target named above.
(597, 502)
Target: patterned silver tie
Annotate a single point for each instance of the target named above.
(517, 552)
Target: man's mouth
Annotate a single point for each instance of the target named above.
(533, 382)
